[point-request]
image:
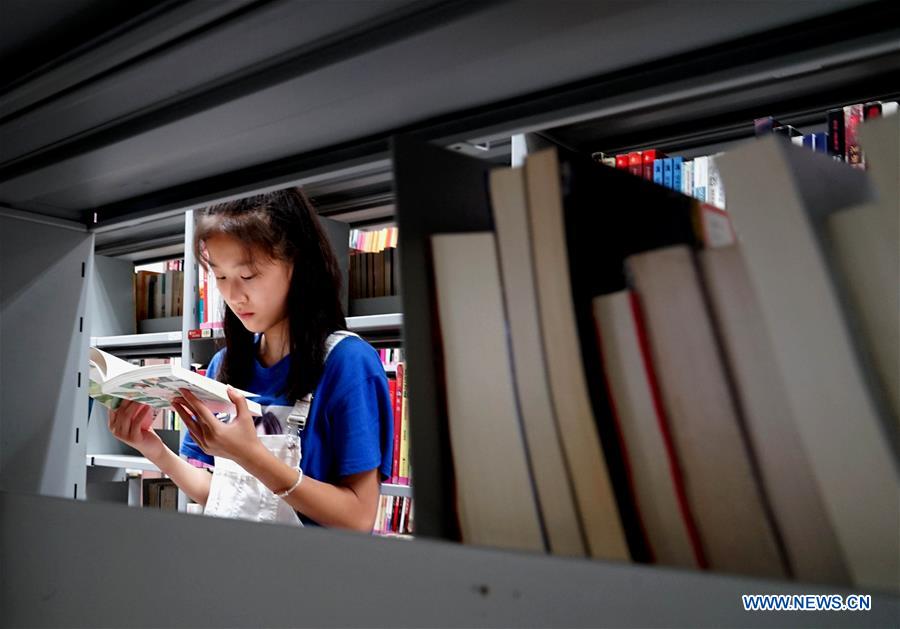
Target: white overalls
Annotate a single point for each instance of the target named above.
(233, 493)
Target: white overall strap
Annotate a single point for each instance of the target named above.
(300, 412)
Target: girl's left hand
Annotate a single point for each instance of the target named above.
(235, 440)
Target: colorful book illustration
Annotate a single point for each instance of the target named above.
(113, 380)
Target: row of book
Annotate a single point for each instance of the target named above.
(401, 470)
(375, 274)
(698, 177)
(617, 387)
(395, 517)
(159, 295)
(365, 241)
(840, 139)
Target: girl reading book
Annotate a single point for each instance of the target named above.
(323, 443)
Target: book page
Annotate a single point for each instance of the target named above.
(157, 385)
(105, 366)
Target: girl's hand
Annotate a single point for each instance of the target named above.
(130, 424)
(236, 440)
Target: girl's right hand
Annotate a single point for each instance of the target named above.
(130, 424)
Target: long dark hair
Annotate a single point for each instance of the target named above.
(284, 226)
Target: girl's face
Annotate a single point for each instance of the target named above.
(256, 294)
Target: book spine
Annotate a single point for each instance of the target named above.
(687, 178)
(677, 166)
(820, 142)
(404, 433)
(835, 118)
(622, 161)
(648, 158)
(853, 117)
(715, 188)
(398, 419)
(658, 172)
(701, 177)
(635, 164)
(667, 172)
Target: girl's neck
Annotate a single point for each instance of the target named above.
(274, 344)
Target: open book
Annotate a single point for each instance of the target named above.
(113, 379)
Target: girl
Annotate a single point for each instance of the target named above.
(281, 284)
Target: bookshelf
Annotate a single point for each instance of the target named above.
(680, 102)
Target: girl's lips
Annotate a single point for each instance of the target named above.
(245, 315)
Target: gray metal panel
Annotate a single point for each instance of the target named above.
(43, 298)
(368, 85)
(113, 566)
(112, 297)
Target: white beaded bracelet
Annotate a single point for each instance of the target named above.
(286, 492)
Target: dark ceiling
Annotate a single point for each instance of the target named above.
(34, 33)
(129, 107)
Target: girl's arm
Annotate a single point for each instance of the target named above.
(351, 505)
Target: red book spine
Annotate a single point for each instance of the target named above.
(662, 420)
(647, 158)
(622, 161)
(398, 416)
(395, 517)
(635, 165)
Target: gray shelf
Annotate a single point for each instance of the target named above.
(137, 340)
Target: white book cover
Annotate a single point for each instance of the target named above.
(113, 380)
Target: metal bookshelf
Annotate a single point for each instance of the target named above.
(656, 79)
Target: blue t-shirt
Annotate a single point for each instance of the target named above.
(350, 427)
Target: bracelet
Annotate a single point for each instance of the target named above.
(286, 492)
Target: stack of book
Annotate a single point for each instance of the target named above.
(698, 177)
(620, 386)
(210, 305)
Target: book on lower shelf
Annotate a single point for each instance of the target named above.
(113, 380)
(709, 371)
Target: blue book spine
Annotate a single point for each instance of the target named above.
(808, 141)
(677, 170)
(658, 171)
(667, 172)
(820, 142)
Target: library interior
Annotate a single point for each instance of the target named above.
(510, 312)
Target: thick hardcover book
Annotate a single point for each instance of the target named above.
(113, 380)
(514, 241)
(809, 538)
(865, 241)
(496, 502)
(641, 419)
(586, 455)
(609, 216)
(721, 480)
(819, 354)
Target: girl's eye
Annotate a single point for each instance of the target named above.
(247, 278)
